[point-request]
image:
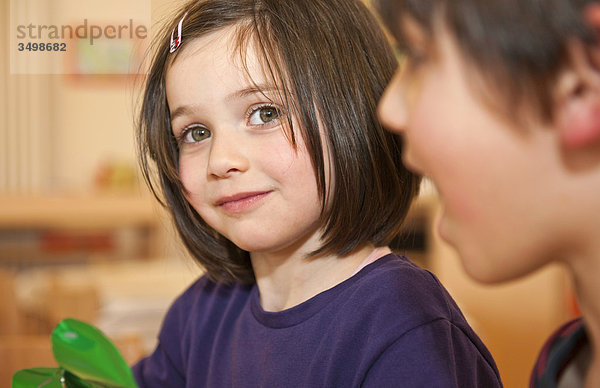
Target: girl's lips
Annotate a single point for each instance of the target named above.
(241, 201)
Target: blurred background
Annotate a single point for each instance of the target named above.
(81, 237)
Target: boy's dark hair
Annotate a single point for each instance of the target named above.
(332, 63)
(517, 46)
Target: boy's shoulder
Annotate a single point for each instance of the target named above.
(564, 357)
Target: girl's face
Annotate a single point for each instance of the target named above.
(241, 173)
(495, 180)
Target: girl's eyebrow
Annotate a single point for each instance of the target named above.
(181, 111)
(245, 92)
(255, 89)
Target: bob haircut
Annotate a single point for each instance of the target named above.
(331, 62)
(517, 47)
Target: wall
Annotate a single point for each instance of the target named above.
(56, 130)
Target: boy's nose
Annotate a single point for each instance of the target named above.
(226, 156)
(392, 110)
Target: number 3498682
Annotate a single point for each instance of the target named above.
(41, 46)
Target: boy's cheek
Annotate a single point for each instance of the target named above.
(413, 85)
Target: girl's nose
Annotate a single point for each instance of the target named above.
(227, 155)
(392, 110)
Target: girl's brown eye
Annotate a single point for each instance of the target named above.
(264, 115)
(268, 114)
(195, 133)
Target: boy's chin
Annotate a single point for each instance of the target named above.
(482, 261)
(486, 268)
(484, 274)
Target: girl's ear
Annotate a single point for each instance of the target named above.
(577, 106)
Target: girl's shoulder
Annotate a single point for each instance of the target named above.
(406, 290)
(400, 275)
(412, 302)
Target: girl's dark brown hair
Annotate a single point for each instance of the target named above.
(517, 47)
(332, 63)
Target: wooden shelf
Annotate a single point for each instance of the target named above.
(78, 211)
(76, 227)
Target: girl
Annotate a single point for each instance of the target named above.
(260, 118)
(516, 157)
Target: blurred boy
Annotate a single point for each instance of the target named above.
(499, 104)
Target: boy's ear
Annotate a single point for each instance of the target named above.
(578, 90)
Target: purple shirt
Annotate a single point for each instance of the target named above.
(392, 324)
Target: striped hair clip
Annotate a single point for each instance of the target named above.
(176, 41)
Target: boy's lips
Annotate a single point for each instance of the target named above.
(241, 201)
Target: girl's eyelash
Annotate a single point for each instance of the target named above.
(253, 109)
(180, 138)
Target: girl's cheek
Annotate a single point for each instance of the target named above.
(189, 179)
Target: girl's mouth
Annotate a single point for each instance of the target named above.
(242, 201)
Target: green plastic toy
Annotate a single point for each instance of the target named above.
(86, 359)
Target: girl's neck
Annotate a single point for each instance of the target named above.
(286, 280)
